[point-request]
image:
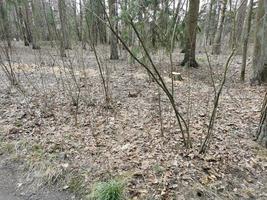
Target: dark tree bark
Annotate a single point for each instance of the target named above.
(5, 27)
(114, 55)
(96, 29)
(22, 15)
(154, 19)
(34, 25)
(17, 33)
(260, 45)
(191, 33)
(261, 135)
(63, 22)
(27, 21)
(22, 30)
(102, 29)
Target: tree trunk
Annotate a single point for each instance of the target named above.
(154, 19)
(191, 33)
(18, 32)
(240, 18)
(78, 30)
(92, 20)
(245, 40)
(63, 22)
(5, 28)
(261, 135)
(27, 21)
(218, 36)
(214, 21)
(50, 35)
(102, 28)
(165, 9)
(35, 31)
(20, 23)
(208, 21)
(232, 38)
(82, 29)
(260, 45)
(114, 55)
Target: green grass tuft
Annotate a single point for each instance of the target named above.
(111, 190)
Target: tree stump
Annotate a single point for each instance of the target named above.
(176, 76)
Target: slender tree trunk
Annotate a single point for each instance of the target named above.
(114, 55)
(76, 21)
(18, 32)
(165, 6)
(214, 21)
(232, 38)
(102, 27)
(18, 21)
(63, 22)
(260, 45)
(261, 135)
(92, 20)
(95, 22)
(245, 40)
(240, 19)
(5, 27)
(218, 36)
(21, 24)
(50, 34)
(140, 9)
(208, 21)
(154, 32)
(35, 28)
(191, 33)
(27, 21)
(82, 29)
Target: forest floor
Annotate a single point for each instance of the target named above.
(125, 140)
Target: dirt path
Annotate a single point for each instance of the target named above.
(10, 190)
